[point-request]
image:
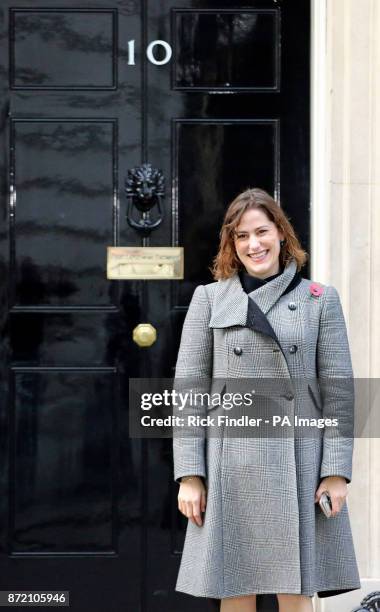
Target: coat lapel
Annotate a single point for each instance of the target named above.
(231, 302)
(267, 295)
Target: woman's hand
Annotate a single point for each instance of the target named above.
(337, 488)
(192, 499)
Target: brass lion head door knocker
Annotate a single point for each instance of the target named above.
(145, 190)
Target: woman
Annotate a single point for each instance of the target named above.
(255, 525)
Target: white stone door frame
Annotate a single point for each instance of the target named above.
(345, 229)
(319, 219)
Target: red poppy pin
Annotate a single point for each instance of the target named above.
(316, 289)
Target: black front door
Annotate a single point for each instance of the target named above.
(84, 507)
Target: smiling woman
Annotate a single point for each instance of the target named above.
(257, 242)
(256, 237)
(255, 525)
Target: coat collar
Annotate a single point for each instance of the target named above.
(231, 302)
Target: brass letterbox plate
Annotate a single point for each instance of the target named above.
(145, 263)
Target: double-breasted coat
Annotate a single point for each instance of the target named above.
(262, 531)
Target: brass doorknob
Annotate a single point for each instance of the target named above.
(144, 334)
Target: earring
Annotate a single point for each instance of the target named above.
(282, 242)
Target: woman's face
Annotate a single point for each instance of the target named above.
(257, 243)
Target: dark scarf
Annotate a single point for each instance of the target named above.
(255, 317)
(250, 283)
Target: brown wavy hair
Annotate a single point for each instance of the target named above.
(226, 263)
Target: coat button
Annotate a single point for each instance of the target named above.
(293, 349)
(289, 396)
(238, 350)
(292, 305)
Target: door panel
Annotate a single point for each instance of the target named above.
(227, 49)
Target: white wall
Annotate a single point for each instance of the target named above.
(346, 231)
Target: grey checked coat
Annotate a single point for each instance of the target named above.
(262, 531)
